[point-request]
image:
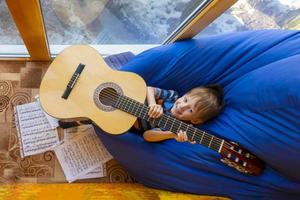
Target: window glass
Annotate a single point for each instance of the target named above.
(11, 42)
(257, 14)
(114, 21)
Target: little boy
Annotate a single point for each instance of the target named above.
(196, 106)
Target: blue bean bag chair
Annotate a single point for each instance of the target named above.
(260, 71)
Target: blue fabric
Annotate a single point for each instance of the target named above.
(260, 71)
(118, 60)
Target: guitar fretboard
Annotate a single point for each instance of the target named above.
(167, 122)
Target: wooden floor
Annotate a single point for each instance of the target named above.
(103, 191)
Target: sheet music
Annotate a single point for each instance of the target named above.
(96, 173)
(75, 131)
(82, 154)
(53, 121)
(34, 130)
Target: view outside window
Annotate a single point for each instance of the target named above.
(257, 14)
(114, 21)
(8, 30)
(9, 35)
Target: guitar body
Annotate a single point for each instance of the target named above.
(82, 100)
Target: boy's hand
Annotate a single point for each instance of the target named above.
(182, 137)
(155, 111)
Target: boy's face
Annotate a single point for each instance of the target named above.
(184, 109)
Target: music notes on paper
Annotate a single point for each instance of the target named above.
(36, 134)
(82, 154)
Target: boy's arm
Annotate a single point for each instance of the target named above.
(156, 135)
(151, 96)
(155, 110)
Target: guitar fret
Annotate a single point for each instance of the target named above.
(172, 125)
(121, 103)
(152, 121)
(116, 104)
(215, 144)
(130, 108)
(202, 135)
(187, 128)
(178, 129)
(125, 105)
(141, 113)
(206, 140)
(210, 141)
(126, 108)
(158, 124)
(221, 145)
(135, 110)
(145, 114)
(166, 122)
(194, 135)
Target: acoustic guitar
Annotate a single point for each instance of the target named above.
(78, 84)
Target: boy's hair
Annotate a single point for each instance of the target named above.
(208, 101)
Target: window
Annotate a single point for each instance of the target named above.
(138, 23)
(257, 14)
(11, 44)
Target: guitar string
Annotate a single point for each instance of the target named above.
(215, 142)
(177, 124)
(212, 140)
(144, 109)
(128, 102)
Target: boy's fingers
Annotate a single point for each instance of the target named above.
(151, 110)
(183, 135)
(158, 112)
(155, 111)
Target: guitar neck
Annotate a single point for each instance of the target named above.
(170, 123)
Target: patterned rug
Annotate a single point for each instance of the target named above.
(19, 84)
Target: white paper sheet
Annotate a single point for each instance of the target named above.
(82, 154)
(52, 120)
(75, 131)
(34, 130)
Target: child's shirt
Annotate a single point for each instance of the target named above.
(167, 99)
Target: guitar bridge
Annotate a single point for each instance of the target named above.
(72, 81)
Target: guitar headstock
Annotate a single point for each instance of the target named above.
(241, 159)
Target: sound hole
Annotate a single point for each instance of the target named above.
(108, 96)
